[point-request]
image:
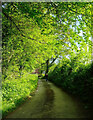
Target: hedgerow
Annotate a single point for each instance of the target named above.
(76, 79)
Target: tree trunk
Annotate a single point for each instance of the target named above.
(47, 64)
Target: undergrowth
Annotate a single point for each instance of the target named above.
(15, 91)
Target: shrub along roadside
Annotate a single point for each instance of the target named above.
(76, 79)
(16, 91)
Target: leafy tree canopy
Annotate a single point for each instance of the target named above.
(36, 32)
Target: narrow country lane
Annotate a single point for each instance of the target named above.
(49, 101)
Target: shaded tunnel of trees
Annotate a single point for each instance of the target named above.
(55, 37)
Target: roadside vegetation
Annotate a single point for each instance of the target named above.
(16, 91)
(75, 78)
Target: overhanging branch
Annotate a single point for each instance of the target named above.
(9, 18)
(53, 61)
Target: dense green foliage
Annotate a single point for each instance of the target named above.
(75, 78)
(38, 33)
(15, 91)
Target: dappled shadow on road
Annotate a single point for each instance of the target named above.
(49, 101)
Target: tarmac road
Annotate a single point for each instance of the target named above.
(50, 101)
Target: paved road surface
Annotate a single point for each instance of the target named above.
(49, 101)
